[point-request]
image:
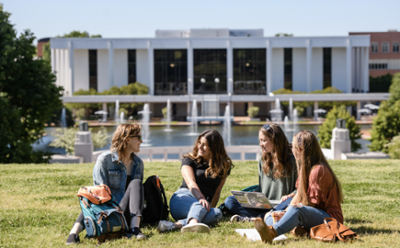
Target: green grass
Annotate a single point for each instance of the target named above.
(38, 205)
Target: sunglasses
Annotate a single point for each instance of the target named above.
(268, 128)
(137, 136)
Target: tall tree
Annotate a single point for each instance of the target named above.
(28, 95)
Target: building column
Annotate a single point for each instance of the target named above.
(309, 61)
(358, 108)
(269, 67)
(150, 52)
(366, 70)
(71, 66)
(110, 64)
(348, 61)
(229, 66)
(57, 64)
(357, 69)
(315, 114)
(53, 60)
(190, 75)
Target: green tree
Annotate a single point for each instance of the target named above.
(380, 83)
(325, 130)
(28, 95)
(386, 124)
(394, 147)
(253, 111)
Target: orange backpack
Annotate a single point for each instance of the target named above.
(96, 194)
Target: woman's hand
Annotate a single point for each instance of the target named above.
(205, 204)
(285, 197)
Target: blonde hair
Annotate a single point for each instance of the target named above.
(310, 154)
(119, 139)
(220, 162)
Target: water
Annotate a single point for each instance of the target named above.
(169, 118)
(122, 117)
(116, 111)
(63, 118)
(291, 127)
(227, 126)
(145, 125)
(276, 113)
(193, 122)
(291, 109)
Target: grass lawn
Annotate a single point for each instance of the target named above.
(38, 205)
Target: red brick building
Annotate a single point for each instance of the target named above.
(39, 46)
(384, 55)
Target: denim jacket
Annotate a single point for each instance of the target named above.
(107, 170)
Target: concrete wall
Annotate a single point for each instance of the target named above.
(317, 71)
(81, 69)
(300, 69)
(142, 67)
(120, 67)
(238, 109)
(339, 69)
(102, 71)
(277, 69)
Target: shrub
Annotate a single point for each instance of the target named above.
(165, 112)
(394, 147)
(253, 111)
(325, 130)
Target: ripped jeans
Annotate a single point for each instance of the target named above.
(298, 216)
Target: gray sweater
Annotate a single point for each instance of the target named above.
(274, 188)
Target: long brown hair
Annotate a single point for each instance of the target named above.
(119, 139)
(278, 159)
(310, 154)
(220, 163)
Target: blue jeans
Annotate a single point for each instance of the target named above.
(234, 207)
(298, 216)
(184, 207)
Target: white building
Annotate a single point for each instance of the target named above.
(213, 61)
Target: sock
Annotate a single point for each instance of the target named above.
(135, 222)
(77, 228)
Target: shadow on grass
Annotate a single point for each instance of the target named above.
(370, 230)
(358, 221)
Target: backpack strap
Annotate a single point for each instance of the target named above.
(163, 210)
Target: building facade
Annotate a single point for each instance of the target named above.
(384, 52)
(213, 62)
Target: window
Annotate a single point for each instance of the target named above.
(385, 47)
(131, 66)
(378, 66)
(374, 47)
(395, 48)
(288, 67)
(327, 66)
(249, 71)
(93, 69)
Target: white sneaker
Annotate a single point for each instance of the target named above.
(165, 225)
(196, 227)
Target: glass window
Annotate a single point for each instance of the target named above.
(385, 47)
(249, 71)
(395, 47)
(170, 72)
(93, 69)
(131, 66)
(374, 47)
(327, 66)
(288, 63)
(209, 67)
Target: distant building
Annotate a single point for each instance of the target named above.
(213, 62)
(384, 54)
(39, 46)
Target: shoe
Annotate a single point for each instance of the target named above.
(165, 225)
(300, 232)
(135, 232)
(196, 228)
(73, 239)
(238, 218)
(267, 233)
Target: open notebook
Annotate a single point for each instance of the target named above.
(254, 200)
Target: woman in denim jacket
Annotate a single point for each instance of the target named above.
(122, 171)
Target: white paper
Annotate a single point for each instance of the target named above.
(253, 235)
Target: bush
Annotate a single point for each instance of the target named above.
(325, 130)
(394, 147)
(165, 112)
(253, 111)
(380, 84)
(386, 124)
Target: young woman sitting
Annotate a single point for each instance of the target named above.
(319, 193)
(122, 171)
(204, 172)
(277, 173)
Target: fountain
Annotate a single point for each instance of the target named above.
(193, 121)
(291, 109)
(276, 114)
(291, 128)
(63, 118)
(227, 126)
(145, 124)
(121, 117)
(168, 120)
(116, 112)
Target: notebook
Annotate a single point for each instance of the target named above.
(254, 200)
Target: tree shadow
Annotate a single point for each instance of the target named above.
(357, 221)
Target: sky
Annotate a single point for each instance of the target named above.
(140, 19)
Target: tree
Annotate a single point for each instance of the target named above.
(380, 83)
(28, 95)
(386, 124)
(325, 130)
(394, 147)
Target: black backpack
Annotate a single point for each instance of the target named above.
(155, 202)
